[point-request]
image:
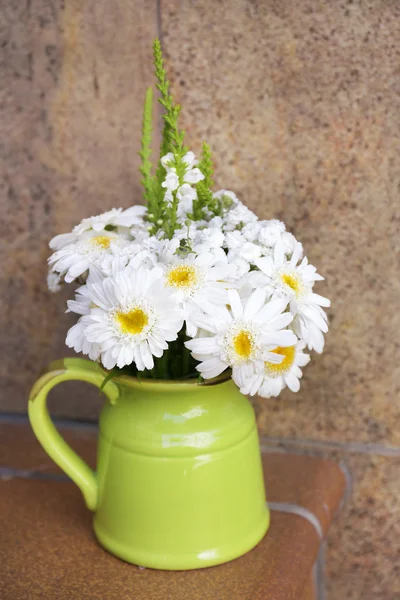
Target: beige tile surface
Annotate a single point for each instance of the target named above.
(299, 101)
(363, 552)
(362, 556)
(73, 82)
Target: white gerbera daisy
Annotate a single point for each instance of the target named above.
(245, 334)
(197, 283)
(74, 259)
(133, 318)
(269, 378)
(77, 339)
(117, 217)
(285, 278)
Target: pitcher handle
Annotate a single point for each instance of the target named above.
(69, 369)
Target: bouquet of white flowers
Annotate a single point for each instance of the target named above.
(193, 281)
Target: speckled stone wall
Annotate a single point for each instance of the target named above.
(299, 101)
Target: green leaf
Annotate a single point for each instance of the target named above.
(107, 378)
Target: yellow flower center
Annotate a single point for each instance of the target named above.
(288, 360)
(243, 344)
(293, 281)
(133, 321)
(101, 240)
(183, 277)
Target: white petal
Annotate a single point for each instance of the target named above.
(284, 338)
(235, 303)
(292, 382)
(320, 300)
(272, 309)
(266, 265)
(279, 322)
(211, 368)
(254, 303)
(146, 355)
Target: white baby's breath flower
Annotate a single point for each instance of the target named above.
(269, 379)
(133, 318)
(271, 232)
(234, 239)
(239, 215)
(251, 231)
(244, 335)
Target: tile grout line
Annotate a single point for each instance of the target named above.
(356, 447)
(300, 511)
(319, 574)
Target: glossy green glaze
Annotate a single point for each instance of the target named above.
(179, 481)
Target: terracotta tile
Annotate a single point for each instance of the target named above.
(20, 449)
(309, 592)
(74, 76)
(48, 550)
(313, 483)
(299, 102)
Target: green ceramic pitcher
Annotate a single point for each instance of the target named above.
(179, 480)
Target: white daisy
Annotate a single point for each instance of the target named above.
(284, 278)
(77, 339)
(269, 379)
(73, 260)
(245, 334)
(133, 318)
(117, 217)
(198, 283)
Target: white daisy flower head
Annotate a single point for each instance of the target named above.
(114, 219)
(286, 279)
(74, 260)
(78, 341)
(133, 318)
(244, 334)
(269, 378)
(198, 283)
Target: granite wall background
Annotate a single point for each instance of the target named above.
(299, 101)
